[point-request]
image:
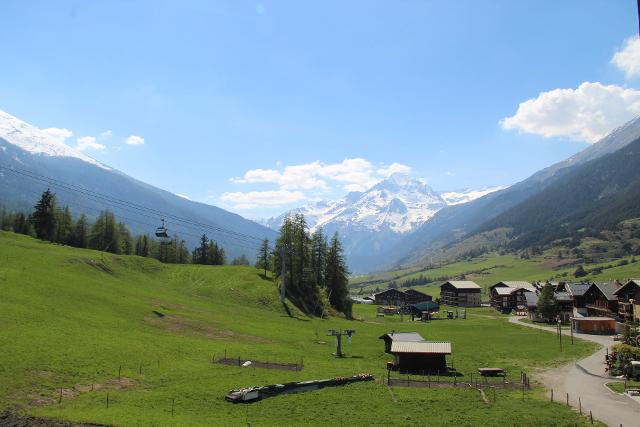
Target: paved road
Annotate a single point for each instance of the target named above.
(586, 379)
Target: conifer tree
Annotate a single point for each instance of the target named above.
(547, 305)
(79, 239)
(43, 217)
(337, 277)
(201, 253)
(262, 258)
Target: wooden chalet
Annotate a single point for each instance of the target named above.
(629, 301)
(577, 292)
(600, 299)
(415, 297)
(412, 354)
(508, 296)
(390, 297)
(460, 293)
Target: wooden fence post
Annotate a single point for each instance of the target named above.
(580, 404)
(119, 371)
(591, 417)
(173, 402)
(567, 399)
(551, 395)
(107, 400)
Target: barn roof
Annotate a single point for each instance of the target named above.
(520, 285)
(404, 336)
(463, 284)
(504, 291)
(577, 289)
(608, 289)
(415, 292)
(424, 347)
(426, 305)
(563, 296)
(630, 283)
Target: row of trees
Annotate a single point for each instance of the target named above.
(56, 224)
(312, 266)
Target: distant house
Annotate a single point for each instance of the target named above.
(565, 303)
(601, 300)
(413, 354)
(629, 301)
(577, 291)
(390, 297)
(508, 296)
(414, 297)
(461, 293)
(531, 304)
(423, 310)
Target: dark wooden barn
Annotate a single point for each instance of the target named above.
(412, 354)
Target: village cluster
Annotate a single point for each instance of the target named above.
(611, 308)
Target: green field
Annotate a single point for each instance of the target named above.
(70, 319)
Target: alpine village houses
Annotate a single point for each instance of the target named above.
(460, 293)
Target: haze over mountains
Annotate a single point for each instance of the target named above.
(88, 186)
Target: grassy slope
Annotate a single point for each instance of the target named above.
(71, 317)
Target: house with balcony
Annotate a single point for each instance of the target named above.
(600, 300)
(460, 293)
(629, 301)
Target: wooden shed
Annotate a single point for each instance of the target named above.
(594, 325)
(420, 357)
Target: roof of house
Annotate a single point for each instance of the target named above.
(520, 285)
(608, 289)
(563, 296)
(391, 290)
(424, 347)
(630, 283)
(403, 336)
(504, 291)
(426, 305)
(577, 289)
(531, 298)
(462, 284)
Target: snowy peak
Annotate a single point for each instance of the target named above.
(397, 204)
(37, 141)
(465, 196)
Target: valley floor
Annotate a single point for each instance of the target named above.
(92, 337)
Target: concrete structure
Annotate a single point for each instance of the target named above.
(460, 293)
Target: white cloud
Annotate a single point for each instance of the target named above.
(587, 113)
(59, 134)
(628, 59)
(88, 142)
(105, 135)
(184, 196)
(256, 199)
(394, 167)
(135, 140)
(355, 172)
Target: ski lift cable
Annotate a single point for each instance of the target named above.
(122, 204)
(126, 208)
(97, 211)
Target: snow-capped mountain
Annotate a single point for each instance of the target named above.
(397, 204)
(465, 196)
(372, 221)
(37, 141)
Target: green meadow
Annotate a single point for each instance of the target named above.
(77, 326)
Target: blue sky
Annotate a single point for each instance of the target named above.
(260, 106)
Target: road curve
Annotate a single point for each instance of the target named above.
(586, 380)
